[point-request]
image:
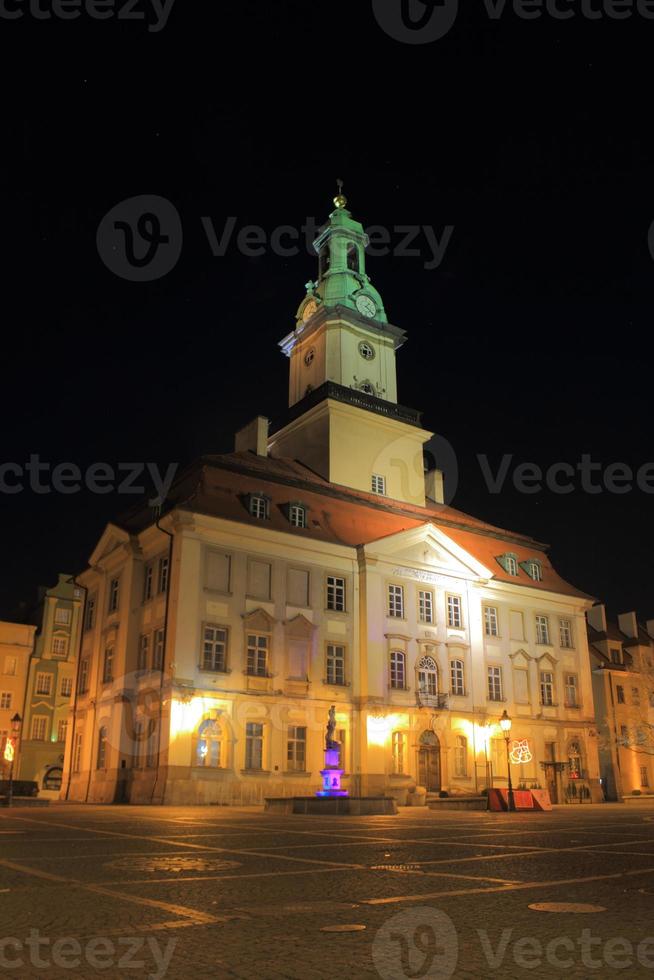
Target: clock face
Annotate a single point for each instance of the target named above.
(309, 309)
(366, 305)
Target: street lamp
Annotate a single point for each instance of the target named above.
(505, 725)
(15, 731)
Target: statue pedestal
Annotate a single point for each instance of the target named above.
(332, 774)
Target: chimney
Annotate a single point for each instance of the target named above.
(628, 624)
(253, 437)
(597, 617)
(434, 486)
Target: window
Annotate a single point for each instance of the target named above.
(456, 677)
(574, 761)
(108, 666)
(495, 684)
(297, 515)
(367, 351)
(425, 606)
(368, 389)
(309, 356)
(259, 578)
(143, 658)
(39, 728)
(428, 676)
(66, 687)
(210, 744)
(258, 507)
(217, 571)
(571, 691)
(352, 257)
(89, 615)
(214, 648)
(396, 601)
(398, 743)
(546, 687)
(101, 761)
(335, 664)
(335, 593)
(5, 700)
(43, 684)
(77, 752)
(253, 745)
(454, 617)
(148, 582)
(635, 696)
(398, 672)
(509, 563)
(257, 645)
(114, 595)
(62, 615)
(61, 730)
(461, 756)
(83, 676)
(11, 663)
(378, 484)
(619, 693)
(535, 571)
(616, 655)
(59, 646)
(565, 633)
(296, 748)
(490, 621)
(158, 649)
(644, 777)
(542, 629)
(162, 578)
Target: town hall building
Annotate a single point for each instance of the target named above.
(317, 565)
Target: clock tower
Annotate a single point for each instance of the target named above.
(344, 420)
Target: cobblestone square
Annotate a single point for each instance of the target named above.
(233, 892)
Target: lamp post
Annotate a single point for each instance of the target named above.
(505, 725)
(15, 730)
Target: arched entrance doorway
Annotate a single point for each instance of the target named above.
(429, 762)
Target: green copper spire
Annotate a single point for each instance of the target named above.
(342, 278)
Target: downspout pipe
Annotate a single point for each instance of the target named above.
(165, 652)
(82, 620)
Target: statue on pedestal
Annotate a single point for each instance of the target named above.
(330, 742)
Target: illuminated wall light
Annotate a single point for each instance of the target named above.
(379, 727)
(185, 716)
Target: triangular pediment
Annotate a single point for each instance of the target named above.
(259, 620)
(428, 549)
(299, 627)
(113, 537)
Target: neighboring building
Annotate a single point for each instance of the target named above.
(50, 683)
(16, 645)
(622, 660)
(319, 566)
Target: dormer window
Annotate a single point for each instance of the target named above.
(378, 484)
(297, 515)
(509, 563)
(258, 506)
(534, 570)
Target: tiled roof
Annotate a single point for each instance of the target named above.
(219, 485)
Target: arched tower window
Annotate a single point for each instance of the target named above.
(352, 257)
(325, 260)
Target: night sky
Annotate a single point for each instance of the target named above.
(532, 138)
